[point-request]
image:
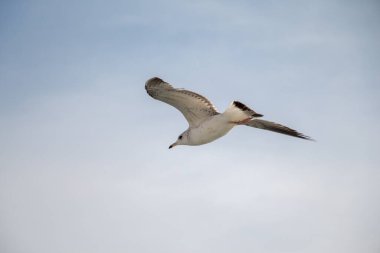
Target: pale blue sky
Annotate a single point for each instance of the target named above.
(84, 164)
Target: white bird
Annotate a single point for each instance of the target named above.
(206, 124)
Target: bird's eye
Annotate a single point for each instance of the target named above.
(180, 137)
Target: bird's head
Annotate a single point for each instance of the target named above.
(181, 140)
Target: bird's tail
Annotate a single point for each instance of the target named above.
(238, 112)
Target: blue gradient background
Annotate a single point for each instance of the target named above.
(84, 164)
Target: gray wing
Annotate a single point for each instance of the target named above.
(193, 106)
(271, 126)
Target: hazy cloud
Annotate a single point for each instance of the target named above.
(84, 164)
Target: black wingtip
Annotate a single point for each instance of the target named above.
(305, 137)
(153, 80)
(241, 106)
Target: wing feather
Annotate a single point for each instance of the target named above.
(272, 126)
(194, 107)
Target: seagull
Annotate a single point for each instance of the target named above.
(206, 124)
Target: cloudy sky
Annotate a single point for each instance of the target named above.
(84, 159)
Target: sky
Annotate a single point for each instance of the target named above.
(84, 158)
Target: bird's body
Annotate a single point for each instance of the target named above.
(211, 129)
(206, 124)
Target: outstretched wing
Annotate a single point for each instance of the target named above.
(271, 126)
(193, 106)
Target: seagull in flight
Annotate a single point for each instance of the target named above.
(206, 124)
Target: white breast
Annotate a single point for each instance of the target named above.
(210, 130)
